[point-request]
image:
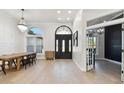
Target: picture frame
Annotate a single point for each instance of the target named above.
(75, 39)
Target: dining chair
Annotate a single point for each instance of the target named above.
(33, 58)
(26, 61)
(2, 67)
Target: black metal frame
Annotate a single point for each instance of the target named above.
(75, 38)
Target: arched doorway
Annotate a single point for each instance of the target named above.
(63, 42)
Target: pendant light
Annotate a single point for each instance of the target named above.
(100, 31)
(22, 26)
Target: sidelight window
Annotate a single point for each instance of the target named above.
(56, 45)
(63, 45)
(69, 45)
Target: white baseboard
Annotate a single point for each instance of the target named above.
(79, 66)
(109, 60)
(100, 59)
(113, 61)
(40, 57)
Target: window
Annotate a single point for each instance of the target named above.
(69, 45)
(35, 31)
(92, 42)
(30, 44)
(39, 44)
(63, 45)
(63, 30)
(56, 45)
(35, 40)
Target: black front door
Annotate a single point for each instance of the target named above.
(63, 46)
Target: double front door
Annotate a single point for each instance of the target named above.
(63, 46)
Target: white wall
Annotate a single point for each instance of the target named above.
(100, 47)
(79, 55)
(49, 34)
(96, 13)
(11, 39)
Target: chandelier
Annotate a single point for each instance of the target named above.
(22, 26)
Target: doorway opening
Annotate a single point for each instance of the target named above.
(109, 48)
(63, 42)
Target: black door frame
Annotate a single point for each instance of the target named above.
(63, 34)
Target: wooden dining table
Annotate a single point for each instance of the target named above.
(15, 56)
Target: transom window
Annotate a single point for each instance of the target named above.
(63, 30)
(35, 31)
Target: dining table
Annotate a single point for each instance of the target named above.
(15, 56)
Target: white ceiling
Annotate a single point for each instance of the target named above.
(43, 15)
(96, 13)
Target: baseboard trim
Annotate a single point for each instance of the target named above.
(100, 59)
(113, 61)
(79, 66)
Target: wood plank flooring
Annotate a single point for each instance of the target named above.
(63, 72)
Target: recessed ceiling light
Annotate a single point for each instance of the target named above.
(59, 18)
(58, 12)
(69, 12)
(68, 18)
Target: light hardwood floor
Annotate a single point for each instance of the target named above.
(63, 72)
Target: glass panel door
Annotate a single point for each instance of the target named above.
(35, 44)
(39, 45)
(30, 44)
(90, 53)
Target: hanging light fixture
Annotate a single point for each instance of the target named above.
(100, 31)
(92, 31)
(22, 26)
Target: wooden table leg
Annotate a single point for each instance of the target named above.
(10, 65)
(18, 63)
